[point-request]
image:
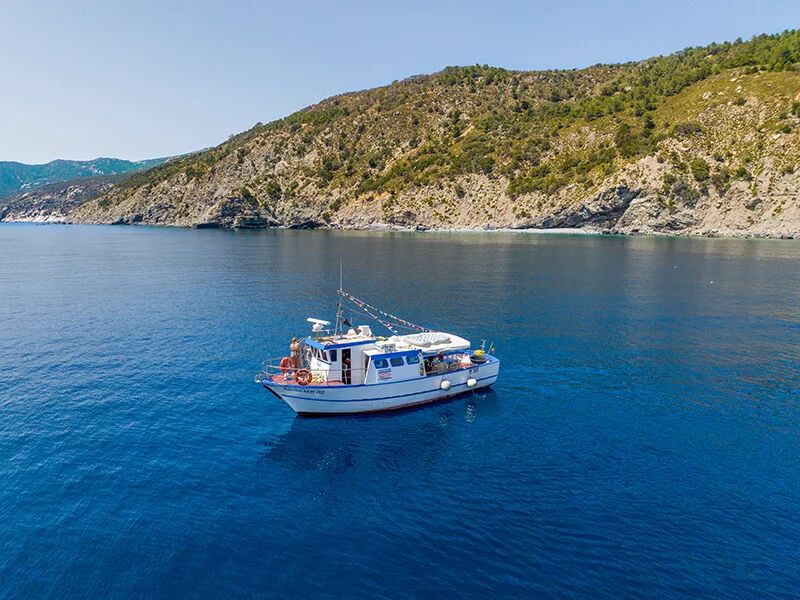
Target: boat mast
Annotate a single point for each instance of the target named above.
(339, 308)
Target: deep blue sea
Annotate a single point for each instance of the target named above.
(643, 439)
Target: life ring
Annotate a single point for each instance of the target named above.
(304, 377)
(286, 362)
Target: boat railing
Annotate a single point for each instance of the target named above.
(272, 370)
(276, 370)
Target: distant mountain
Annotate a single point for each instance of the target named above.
(17, 177)
(51, 203)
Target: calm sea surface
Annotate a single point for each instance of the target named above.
(643, 438)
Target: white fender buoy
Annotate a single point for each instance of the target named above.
(472, 382)
(445, 385)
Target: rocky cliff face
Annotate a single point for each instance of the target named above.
(702, 142)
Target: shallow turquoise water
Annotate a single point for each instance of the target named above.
(643, 439)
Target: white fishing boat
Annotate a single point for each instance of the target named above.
(345, 369)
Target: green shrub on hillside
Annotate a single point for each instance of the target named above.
(687, 129)
(630, 142)
(700, 169)
(721, 179)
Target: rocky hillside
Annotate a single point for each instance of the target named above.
(18, 177)
(704, 141)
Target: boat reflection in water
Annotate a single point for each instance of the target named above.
(390, 443)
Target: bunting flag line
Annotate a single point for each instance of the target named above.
(373, 312)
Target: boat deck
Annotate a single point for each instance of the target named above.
(282, 380)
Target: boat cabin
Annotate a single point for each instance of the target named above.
(383, 366)
(359, 357)
(339, 359)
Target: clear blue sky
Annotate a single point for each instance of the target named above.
(142, 79)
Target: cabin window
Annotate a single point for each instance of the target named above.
(397, 361)
(413, 359)
(332, 354)
(380, 363)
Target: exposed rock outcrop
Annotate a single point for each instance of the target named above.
(601, 211)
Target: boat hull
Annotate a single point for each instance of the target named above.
(315, 400)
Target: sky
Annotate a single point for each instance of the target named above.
(144, 79)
